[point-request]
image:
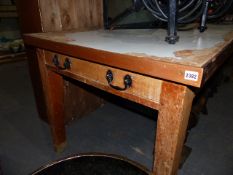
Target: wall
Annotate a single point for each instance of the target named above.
(9, 27)
(116, 7)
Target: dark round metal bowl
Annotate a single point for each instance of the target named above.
(93, 164)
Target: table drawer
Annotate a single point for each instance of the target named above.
(143, 89)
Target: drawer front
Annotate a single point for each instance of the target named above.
(144, 90)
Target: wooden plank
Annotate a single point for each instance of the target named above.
(68, 14)
(79, 100)
(89, 14)
(176, 102)
(12, 58)
(7, 8)
(74, 14)
(81, 15)
(37, 83)
(50, 15)
(8, 15)
(26, 8)
(53, 89)
(145, 90)
(9, 54)
(38, 11)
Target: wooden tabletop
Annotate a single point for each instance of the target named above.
(190, 61)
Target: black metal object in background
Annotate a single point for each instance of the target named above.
(1, 173)
(172, 12)
(93, 164)
(114, 23)
(203, 27)
(186, 11)
(172, 37)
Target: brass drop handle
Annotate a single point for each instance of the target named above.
(127, 81)
(66, 64)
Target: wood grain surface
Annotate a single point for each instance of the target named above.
(200, 54)
(53, 88)
(60, 15)
(176, 102)
(142, 65)
(145, 90)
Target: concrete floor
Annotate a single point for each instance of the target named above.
(25, 141)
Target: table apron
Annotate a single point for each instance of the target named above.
(144, 90)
